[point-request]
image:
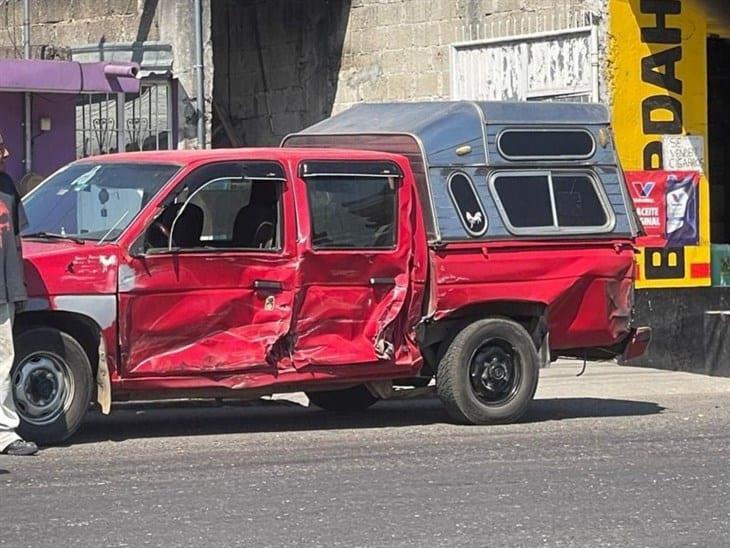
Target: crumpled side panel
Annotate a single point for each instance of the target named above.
(204, 331)
(342, 318)
(201, 313)
(345, 325)
(586, 286)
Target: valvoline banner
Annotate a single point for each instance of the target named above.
(667, 204)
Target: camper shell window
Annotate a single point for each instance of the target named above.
(552, 202)
(467, 204)
(546, 144)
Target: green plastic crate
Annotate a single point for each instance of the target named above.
(720, 254)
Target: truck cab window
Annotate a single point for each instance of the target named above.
(225, 213)
(352, 212)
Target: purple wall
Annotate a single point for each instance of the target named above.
(64, 80)
(56, 148)
(51, 150)
(11, 127)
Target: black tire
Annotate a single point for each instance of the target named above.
(357, 398)
(54, 357)
(489, 373)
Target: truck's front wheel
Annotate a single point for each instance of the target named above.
(52, 384)
(489, 373)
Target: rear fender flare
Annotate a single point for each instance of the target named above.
(533, 316)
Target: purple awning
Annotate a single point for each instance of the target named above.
(67, 76)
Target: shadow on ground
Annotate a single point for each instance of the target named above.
(195, 418)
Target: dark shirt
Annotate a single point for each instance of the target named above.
(12, 221)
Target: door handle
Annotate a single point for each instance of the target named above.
(382, 281)
(268, 285)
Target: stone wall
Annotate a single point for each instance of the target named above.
(277, 65)
(177, 28)
(57, 25)
(399, 49)
(282, 65)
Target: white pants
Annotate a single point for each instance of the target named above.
(8, 417)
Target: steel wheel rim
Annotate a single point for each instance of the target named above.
(495, 372)
(43, 388)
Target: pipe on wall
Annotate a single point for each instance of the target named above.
(124, 71)
(28, 98)
(199, 73)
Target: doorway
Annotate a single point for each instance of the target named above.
(718, 119)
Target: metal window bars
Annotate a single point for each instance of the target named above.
(109, 122)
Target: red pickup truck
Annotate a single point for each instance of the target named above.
(490, 238)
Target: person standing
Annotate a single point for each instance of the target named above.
(12, 291)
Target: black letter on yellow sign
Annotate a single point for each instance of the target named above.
(661, 127)
(668, 79)
(660, 34)
(651, 151)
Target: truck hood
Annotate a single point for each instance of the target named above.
(62, 267)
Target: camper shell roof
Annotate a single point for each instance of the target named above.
(442, 127)
(441, 137)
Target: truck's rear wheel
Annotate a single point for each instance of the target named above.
(52, 384)
(489, 373)
(357, 398)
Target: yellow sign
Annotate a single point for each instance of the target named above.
(658, 79)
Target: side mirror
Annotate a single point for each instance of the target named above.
(136, 250)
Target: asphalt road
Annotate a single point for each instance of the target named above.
(617, 457)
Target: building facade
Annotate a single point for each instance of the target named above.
(155, 34)
(273, 67)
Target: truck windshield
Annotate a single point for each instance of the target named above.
(93, 201)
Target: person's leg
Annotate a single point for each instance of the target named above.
(8, 417)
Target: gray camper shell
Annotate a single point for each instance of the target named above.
(496, 170)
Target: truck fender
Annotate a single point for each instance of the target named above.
(96, 312)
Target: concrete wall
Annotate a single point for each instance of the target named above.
(399, 50)
(57, 25)
(684, 336)
(282, 65)
(177, 28)
(277, 65)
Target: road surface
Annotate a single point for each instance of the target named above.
(619, 456)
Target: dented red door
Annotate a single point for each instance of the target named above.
(205, 311)
(358, 301)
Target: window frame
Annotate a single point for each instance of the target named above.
(555, 228)
(397, 178)
(552, 157)
(464, 222)
(112, 127)
(174, 193)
